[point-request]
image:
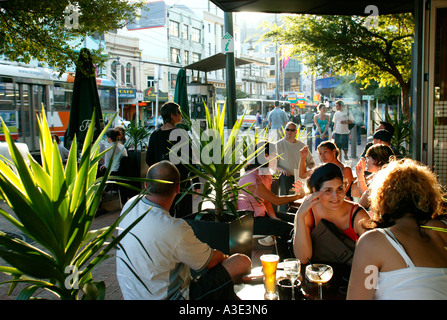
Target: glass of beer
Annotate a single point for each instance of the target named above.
(269, 264)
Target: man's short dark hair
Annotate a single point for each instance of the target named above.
(388, 127)
(382, 135)
(112, 134)
(276, 103)
(163, 170)
(168, 109)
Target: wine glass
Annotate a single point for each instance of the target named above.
(292, 268)
(319, 273)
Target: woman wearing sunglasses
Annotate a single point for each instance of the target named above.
(289, 151)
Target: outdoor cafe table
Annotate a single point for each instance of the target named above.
(335, 289)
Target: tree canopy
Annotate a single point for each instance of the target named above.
(351, 45)
(44, 30)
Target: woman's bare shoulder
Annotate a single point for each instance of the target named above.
(439, 228)
(437, 224)
(372, 239)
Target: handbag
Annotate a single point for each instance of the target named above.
(330, 245)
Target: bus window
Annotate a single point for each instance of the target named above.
(286, 106)
(62, 94)
(7, 94)
(240, 107)
(250, 107)
(107, 98)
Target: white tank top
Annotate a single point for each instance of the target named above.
(411, 283)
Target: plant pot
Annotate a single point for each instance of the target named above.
(135, 166)
(138, 158)
(230, 237)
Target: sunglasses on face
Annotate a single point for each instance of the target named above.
(290, 129)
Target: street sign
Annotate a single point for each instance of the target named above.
(227, 43)
(365, 97)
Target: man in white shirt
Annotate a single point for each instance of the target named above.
(162, 250)
(341, 128)
(289, 150)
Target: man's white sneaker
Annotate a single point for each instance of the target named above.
(267, 241)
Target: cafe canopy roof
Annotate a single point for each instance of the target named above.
(322, 7)
(217, 62)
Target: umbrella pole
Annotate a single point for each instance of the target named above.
(156, 103)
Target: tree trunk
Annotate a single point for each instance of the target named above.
(406, 100)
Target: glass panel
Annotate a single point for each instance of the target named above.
(440, 98)
(7, 107)
(24, 113)
(6, 94)
(62, 96)
(39, 101)
(128, 70)
(107, 99)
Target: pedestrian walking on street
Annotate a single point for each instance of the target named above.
(321, 121)
(277, 119)
(341, 128)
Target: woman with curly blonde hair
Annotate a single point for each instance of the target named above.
(401, 258)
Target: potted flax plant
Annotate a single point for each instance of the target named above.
(218, 157)
(55, 206)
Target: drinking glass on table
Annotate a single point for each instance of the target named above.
(299, 184)
(319, 273)
(292, 268)
(269, 265)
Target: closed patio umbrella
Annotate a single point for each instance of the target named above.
(181, 94)
(85, 100)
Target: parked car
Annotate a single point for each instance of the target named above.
(151, 123)
(121, 122)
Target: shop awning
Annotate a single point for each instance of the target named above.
(217, 62)
(322, 7)
(149, 95)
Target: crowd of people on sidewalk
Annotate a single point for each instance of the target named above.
(390, 208)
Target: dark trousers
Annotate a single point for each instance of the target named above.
(285, 184)
(213, 284)
(268, 226)
(283, 229)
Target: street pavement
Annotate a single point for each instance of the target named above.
(106, 271)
